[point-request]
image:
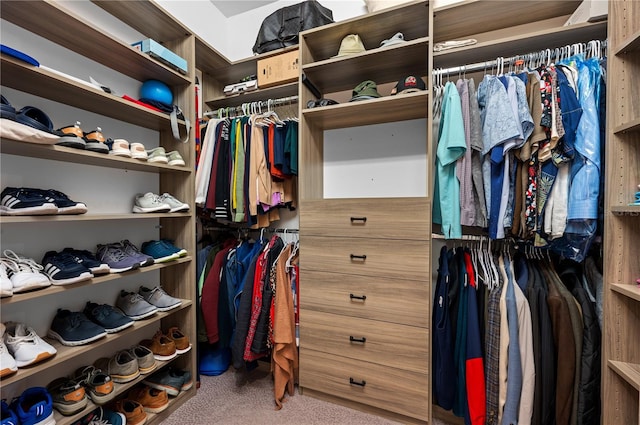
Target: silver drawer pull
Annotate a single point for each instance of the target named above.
(354, 339)
(358, 257)
(357, 297)
(359, 383)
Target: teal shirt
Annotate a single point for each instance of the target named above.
(451, 146)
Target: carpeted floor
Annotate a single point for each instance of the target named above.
(236, 398)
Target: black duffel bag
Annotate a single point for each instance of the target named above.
(281, 28)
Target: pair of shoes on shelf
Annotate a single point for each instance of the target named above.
(146, 302)
(161, 156)
(74, 328)
(31, 201)
(122, 256)
(150, 202)
(127, 365)
(166, 346)
(152, 400)
(170, 379)
(70, 395)
(64, 268)
(135, 150)
(72, 136)
(33, 406)
(22, 273)
(22, 344)
(163, 250)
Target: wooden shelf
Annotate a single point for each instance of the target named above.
(631, 126)
(88, 217)
(366, 112)
(290, 89)
(82, 37)
(520, 43)
(118, 390)
(631, 291)
(625, 210)
(631, 44)
(80, 156)
(41, 82)
(630, 372)
(66, 353)
(382, 65)
(56, 289)
(458, 20)
(412, 20)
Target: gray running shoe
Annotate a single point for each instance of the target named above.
(146, 361)
(175, 204)
(132, 251)
(123, 367)
(157, 297)
(134, 306)
(150, 202)
(116, 258)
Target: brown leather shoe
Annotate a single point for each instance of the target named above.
(181, 340)
(132, 410)
(162, 347)
(151, 399)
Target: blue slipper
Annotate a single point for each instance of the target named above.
(6, 110)
(34, 117)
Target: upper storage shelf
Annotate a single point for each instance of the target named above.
(63, 27)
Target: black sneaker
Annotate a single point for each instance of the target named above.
(25, 201)
(73, 328)
(64, 268)
(64, 204)
(89, 260)
(107, 317)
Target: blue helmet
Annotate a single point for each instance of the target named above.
(157, 91)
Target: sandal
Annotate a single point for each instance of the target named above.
(71, 136)
(35, 118)
(95, 141)
(6, 110)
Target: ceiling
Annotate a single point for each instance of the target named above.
(231, 8)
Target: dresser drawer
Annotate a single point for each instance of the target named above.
(387, 218)
(395, 390)
(369, 257)
(390, 300)
(388, 344)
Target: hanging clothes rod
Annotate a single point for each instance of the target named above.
(532, 60)
(254, 107)
(246, 229)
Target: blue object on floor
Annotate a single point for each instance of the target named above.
(213, 361)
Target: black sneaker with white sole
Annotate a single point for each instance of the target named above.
(64, 204)
(25, 201)
(74, 328)
(64, 268)
(89, 260)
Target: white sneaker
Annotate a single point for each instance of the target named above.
(25, 274)
(120, 147)
(176, 205)
(138, 151)
(25, 345)
(150, 202)
(6, 287)
(7, 362)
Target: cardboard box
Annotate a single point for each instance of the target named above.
(162, 54)
(278, 69)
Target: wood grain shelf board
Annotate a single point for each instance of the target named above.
(118, 389)
(630, 372)
(56, 289)
(79, 156)
(284, 90)
(411, 19)
(631, 126)
(41, 82)
(458, 20)
(29, 219)
(625, 210)
(631, 44)
(375, 111)
(63, 27)
(628, 290)
(381, 65)
(66, 353)
(520, 44)
(146, 17)
(208, 59)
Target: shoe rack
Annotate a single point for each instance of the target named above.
(55, 23)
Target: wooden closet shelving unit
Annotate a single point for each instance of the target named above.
(621, 350)
(178, 277)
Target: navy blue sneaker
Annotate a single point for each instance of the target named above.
(160, 251)
(64, 268)
(8, 416)
(64, 204)
(106, 316)
(89, 260)
(34, 407)
(25, 201)
(73, 328)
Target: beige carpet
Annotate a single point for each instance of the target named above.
(235, 398)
